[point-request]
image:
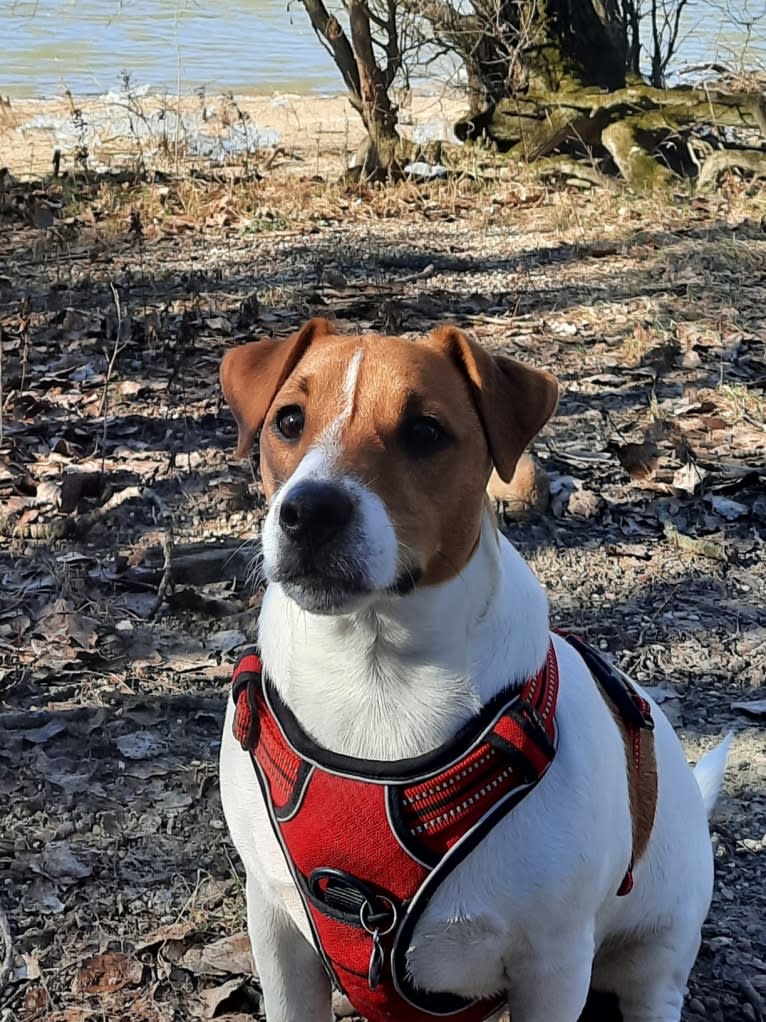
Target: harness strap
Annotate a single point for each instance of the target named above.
(633, 716)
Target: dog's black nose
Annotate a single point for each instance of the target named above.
(315, 512)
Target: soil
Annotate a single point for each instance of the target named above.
(128, 534)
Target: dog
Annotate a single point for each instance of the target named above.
(399, 623)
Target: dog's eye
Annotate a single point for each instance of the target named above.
(290, 421)
(423, 435)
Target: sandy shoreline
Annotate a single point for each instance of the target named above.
(315, 134)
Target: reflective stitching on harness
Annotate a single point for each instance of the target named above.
(430, 824)
(449, 783)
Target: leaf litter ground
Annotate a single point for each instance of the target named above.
(128, 535)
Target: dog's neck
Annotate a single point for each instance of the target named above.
(398, 679)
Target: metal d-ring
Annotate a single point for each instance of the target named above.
(368, 926)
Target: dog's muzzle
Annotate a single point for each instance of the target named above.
(320, 563)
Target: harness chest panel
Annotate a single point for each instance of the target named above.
(369, 842)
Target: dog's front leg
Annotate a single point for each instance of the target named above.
(295, 986)
(553, 986)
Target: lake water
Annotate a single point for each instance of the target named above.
(255, 46)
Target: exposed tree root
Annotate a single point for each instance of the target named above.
(642, 129)
(749, 160)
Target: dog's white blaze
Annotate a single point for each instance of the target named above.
(330, 439)
(372, 541)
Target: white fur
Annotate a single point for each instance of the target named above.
(534, 908)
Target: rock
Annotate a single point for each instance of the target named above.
(584, 504)
(341, 1006)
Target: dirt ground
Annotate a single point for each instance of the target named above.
(128, 534)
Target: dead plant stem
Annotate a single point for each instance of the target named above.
(110, 369)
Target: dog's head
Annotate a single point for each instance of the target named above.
(375, 454)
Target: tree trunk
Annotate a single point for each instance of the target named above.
(367, 81)
(573, 47)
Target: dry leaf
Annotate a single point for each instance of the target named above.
(638, 460)
(175, 932)
(25, 968)
(228, 956)
(103, 974)
(140, 745)
(214, 1000)
(688, 477)
(61, 624)
(41, 896)
(60, 863)
(731, 510)
(584, 504)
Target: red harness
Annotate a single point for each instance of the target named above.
(369, 842)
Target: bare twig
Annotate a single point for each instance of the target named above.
(167, 573)
(1, 385)
(110, 369)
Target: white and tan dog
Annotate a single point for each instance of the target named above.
(386, 569)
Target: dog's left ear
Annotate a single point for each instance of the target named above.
(514, 401)
(252, 374)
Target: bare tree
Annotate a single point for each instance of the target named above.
(368, 54)
(548, 80)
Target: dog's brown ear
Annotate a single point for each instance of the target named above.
(514, 401)
(252, 374)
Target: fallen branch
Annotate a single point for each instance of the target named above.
(7, 963)
(196, 564)
(110, 369)
(179, 702)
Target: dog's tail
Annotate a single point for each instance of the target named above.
(709, 771)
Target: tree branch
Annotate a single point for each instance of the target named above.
(328, 27)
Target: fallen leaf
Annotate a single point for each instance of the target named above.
(638, 460)
(228, 956)
(227, 640)
(584, 503)
(728, 509)
(25, 968)
(662, 692)
(560, 491)
(60, 863)
(35, 1001)
(41, 896)
(61, 624)
(103, 974)
(40, 735)
(130, 388)
(215, 1000)
(688, 477)
(176, 932)
(140, 745)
